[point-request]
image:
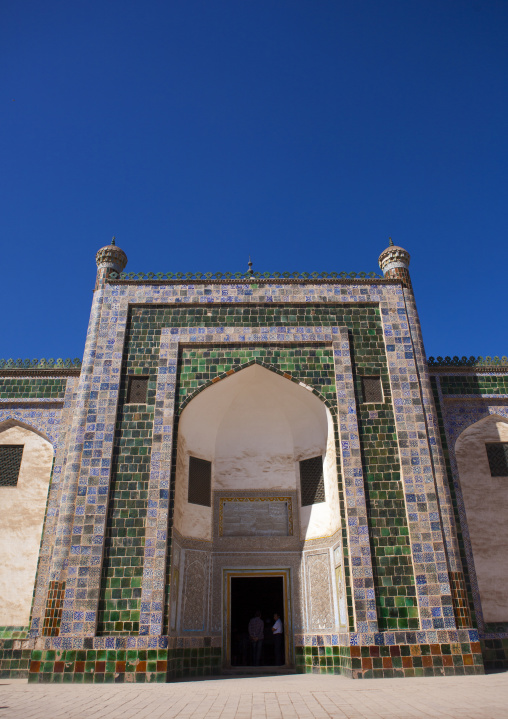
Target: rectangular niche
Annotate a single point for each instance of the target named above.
(200, 482)
(10, 463)
(255, 517)
(312, 486)
(137, 389)
(497, 452)
(372, 390)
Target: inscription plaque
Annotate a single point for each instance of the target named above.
(255, 517)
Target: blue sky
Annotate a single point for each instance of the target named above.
(301, 133)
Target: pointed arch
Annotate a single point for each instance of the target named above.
(480, 423)
(266, 365)
(43, 420)
(31, 427)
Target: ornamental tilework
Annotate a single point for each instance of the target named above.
(472, 384)
(56, 505)
(426, 535)
(24, 388)
(433, 437)
(354, 484)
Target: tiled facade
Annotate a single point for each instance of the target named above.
(101, 601)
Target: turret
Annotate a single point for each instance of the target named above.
(394, 263)
(109, 259)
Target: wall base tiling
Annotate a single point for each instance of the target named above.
(323, 660)
(407, 660)
(14, 661)
(161, 665)
(415, 654)
(98, 666)
(13, 632)
(193, 662)
(495, 654)
(109, 666)
(446, 653)
(443, 653)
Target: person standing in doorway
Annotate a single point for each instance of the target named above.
(278, 638)
(256, 634)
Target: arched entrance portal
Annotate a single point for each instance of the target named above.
(256, 490)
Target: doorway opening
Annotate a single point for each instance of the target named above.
(248, 596)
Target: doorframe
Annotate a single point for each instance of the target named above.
(259, 572)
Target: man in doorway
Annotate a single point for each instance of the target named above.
(278, 638)
(256, 634)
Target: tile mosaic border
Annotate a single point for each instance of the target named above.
(152, 596)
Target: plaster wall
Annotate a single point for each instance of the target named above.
(323, 519)
(486, 504)
(21, 521)
(255, 427)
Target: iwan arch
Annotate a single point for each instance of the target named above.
(255, 428)
(240, 442)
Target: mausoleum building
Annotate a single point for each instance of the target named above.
(253, 441)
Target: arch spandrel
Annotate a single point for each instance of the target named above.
(13, 421)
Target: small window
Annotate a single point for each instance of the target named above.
(498, 458)
(10, 462)
(371, 389)
(200, 482)
(312, 486)
(137, 390)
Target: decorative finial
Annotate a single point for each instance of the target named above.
(393, 260)
(250, 272)
(109, 259)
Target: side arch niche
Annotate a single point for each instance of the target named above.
(22, 508)
(486, 504)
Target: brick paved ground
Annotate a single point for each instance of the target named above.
(291, 697)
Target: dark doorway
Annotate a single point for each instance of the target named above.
(249, 594)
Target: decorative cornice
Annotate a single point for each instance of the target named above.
(475, 362)
(155, 277)
(47, 365)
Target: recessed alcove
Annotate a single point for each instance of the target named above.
(255, 427)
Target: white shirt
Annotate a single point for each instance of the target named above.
(277, 627)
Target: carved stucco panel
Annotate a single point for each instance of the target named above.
(319, 592)
(195, 591)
